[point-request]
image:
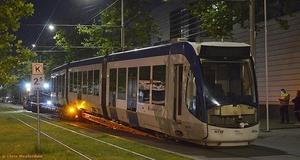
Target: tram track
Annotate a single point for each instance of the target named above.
(52, 138)
(30, 125)
(201, 152)
(186, 150)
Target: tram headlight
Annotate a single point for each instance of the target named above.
(49, 102)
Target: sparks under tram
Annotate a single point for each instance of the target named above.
(204, 93)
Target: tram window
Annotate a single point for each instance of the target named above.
(84, 82)
(144, 84)
(122, 83)
(59, 83)
(51, 84)
(75, 80)
(96, 82)
(158, 85)
(79, 84)
(132, 89)
(228, 82)
(63, 85)
(112, 87)
(54, 84)
(71, 84)
(192, 102)
(90, 82)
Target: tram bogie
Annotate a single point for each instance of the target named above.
(203, 93)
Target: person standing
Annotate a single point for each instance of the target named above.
(296, 102)
(284, 103)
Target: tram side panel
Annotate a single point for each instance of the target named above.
(154, 91)
(182, 124)
(84, 88)
(141, 101)
(58, 90)
(78, 88)
(161, 103)
(160, 96)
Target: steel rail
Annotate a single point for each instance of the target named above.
(121, 148)
(81, 154)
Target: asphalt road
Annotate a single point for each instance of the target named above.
(275, 144)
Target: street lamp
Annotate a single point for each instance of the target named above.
(51, 27)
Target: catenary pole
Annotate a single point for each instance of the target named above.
(252, 28)
(122, 26)
(266, 63)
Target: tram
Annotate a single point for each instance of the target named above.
(204, 93)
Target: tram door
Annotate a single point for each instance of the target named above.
(132, 89)
(178, 92)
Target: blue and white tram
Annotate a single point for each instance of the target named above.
(204, 93)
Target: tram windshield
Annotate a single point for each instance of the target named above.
(228, 82)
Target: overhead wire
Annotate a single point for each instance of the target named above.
(90, 8)
(93, 17)
(101, 12)
(46, 24)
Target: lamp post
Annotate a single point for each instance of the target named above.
(266, 64)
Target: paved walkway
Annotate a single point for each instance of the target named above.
(285, 137)
(273, 124)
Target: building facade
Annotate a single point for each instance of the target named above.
(283, 46)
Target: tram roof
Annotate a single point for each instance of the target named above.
(158, 50)
(225, 44)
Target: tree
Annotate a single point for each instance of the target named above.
(104, 35)
(11, 47)
(138, 23)
(218, 16)
(68, 40)
(70, 43)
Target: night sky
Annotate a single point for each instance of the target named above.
(72, 12)
(69, 12)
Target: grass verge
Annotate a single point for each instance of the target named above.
(19, 140)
